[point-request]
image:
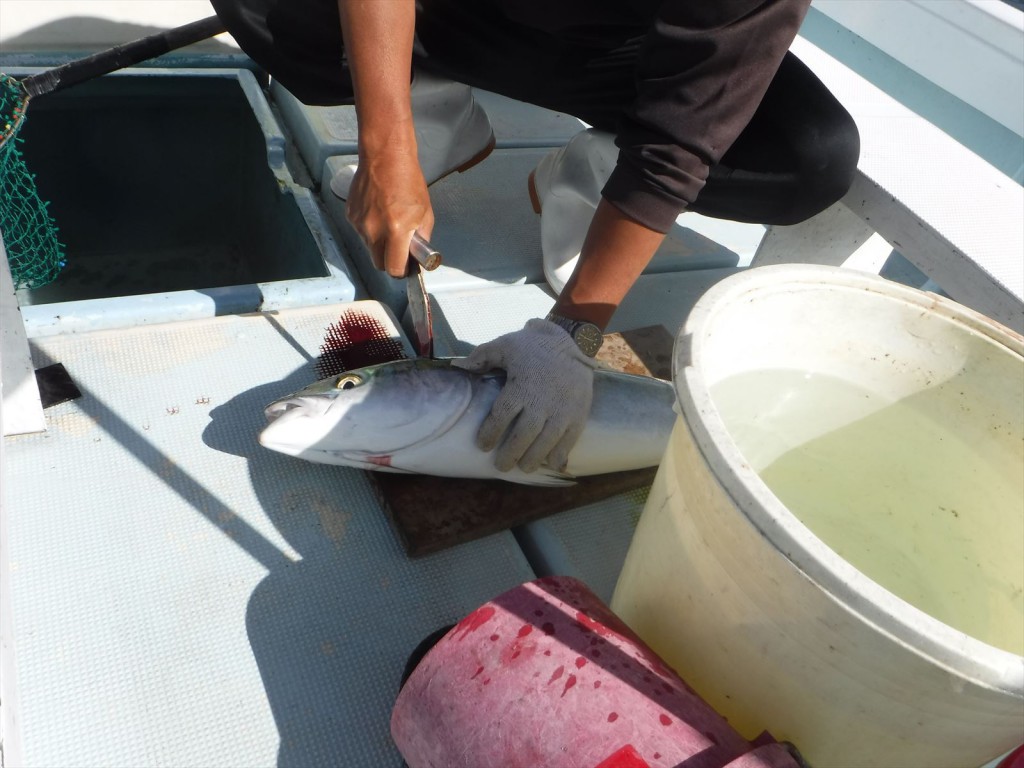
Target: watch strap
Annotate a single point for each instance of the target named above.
(587, 335)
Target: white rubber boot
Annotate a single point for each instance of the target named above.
(566, 186)
(452, 131)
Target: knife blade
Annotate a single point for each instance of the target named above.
(422, 256)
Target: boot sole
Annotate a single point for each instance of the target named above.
(531, 184)
(476, 159)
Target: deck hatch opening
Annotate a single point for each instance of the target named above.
(159, 184)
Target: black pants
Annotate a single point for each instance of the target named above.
(796, 157)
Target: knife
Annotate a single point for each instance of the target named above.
(423, 257)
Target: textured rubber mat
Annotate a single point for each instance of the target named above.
(184, 597)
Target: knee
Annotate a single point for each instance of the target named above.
(826, 166)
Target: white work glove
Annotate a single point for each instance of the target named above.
(546, 399)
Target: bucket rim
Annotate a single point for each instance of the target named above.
(953, 649)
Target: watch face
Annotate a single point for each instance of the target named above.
(588, 338)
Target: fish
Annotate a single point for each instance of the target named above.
(421, 416)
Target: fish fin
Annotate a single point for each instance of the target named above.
(543, 476)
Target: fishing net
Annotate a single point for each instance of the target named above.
(29, 232)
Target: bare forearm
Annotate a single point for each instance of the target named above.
(388, 198)
(614, 255)
(378, 43)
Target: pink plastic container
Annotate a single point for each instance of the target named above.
(1013, 760)
(546, 675)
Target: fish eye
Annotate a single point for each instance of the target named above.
(348, 381)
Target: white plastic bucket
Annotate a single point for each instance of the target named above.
(889, 629)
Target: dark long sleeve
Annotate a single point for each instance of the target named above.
(701, 73)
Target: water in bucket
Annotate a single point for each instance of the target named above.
(896, 492)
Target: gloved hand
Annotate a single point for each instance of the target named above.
(546, 399)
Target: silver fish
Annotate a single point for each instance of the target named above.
(422, 416)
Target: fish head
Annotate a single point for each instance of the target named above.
(361, 417)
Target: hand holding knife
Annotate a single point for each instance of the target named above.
(424, 253)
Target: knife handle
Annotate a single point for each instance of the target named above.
(427, 256)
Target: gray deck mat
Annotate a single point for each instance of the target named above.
(182, 596)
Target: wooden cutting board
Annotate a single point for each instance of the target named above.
(430, 514)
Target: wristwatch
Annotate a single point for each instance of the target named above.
(588, 337)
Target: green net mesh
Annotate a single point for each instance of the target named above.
(29, 233)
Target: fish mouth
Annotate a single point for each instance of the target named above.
(309, 406)
(276, 410)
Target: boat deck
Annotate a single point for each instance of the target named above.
(176, 595)
(183, 596)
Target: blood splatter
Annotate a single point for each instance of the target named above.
(625, 757)
(355, 341)
(570, 682)
(594, 626)
(556, 674)
(613, 716)
(664, 719)
(475, 620)
(580, 662)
